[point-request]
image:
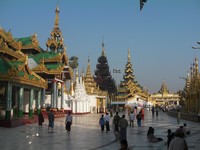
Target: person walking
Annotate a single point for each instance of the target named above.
(116, 125)
(51, 119)
(178, 116)
(170, 136)
(68, 122)
(139, 118)
(142, 115)
(40, 119)
(152, 110)
(123, 124)
(156, 110)
(135, 111)
(102, 123)
(131, 119)
(107, 120)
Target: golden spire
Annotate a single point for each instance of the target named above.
(129, 55)
(163, 89)
(187, 84)
(57, 18)
(88, 71)
(196, 66)
(191, 70)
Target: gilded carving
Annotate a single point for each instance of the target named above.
(34, 40)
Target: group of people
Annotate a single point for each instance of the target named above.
(51, 118)
(121, 123)
(154, 109)
(105, 121)
(175, 140)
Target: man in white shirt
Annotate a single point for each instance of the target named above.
(107, 120)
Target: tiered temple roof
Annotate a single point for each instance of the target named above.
(90, 84)
(129, 88)
(54, 61)
(14, 63)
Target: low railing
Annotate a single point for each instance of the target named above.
(185, 116)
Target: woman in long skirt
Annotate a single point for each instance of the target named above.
(68, 122)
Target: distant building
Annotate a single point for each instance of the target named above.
(97, 97)
(163, 97)
(29, 75)
(130, 93)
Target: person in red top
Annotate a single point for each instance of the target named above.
(142, 114)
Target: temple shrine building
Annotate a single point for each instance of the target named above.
(165, 98)
(130, 93)
(28, 74)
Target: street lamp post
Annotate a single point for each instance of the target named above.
(196, 47)
(116, 71)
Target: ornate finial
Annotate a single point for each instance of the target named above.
(26, 59)
(103, 42)
(129, 55)
(88, 59)
(163, 89)
(103, 49)
(57, 17)
(188, 74)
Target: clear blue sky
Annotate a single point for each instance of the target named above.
(160, 36)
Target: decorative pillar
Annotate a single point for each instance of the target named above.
(43, 97)
(8, 101)
(73, 106)
(88, 108)
(56, 98)
(39, 102)
(31, 97)
(84, 107)
(62, 95)
(98, 109)
(72, 88)
(52, 102)
(21, 101)
(54, 94)
(77, 106)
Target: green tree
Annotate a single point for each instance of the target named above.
(73, 62)
(102, 74)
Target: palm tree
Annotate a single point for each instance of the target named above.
(73, 62)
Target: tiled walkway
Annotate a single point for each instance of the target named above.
(86, 135)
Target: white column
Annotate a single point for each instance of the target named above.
(88, 108)
(98, 108)
(77, 107)
(177, 102)
(72, 88)
(73, 106)
(83, 106)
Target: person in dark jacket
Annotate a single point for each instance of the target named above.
(40, 119)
